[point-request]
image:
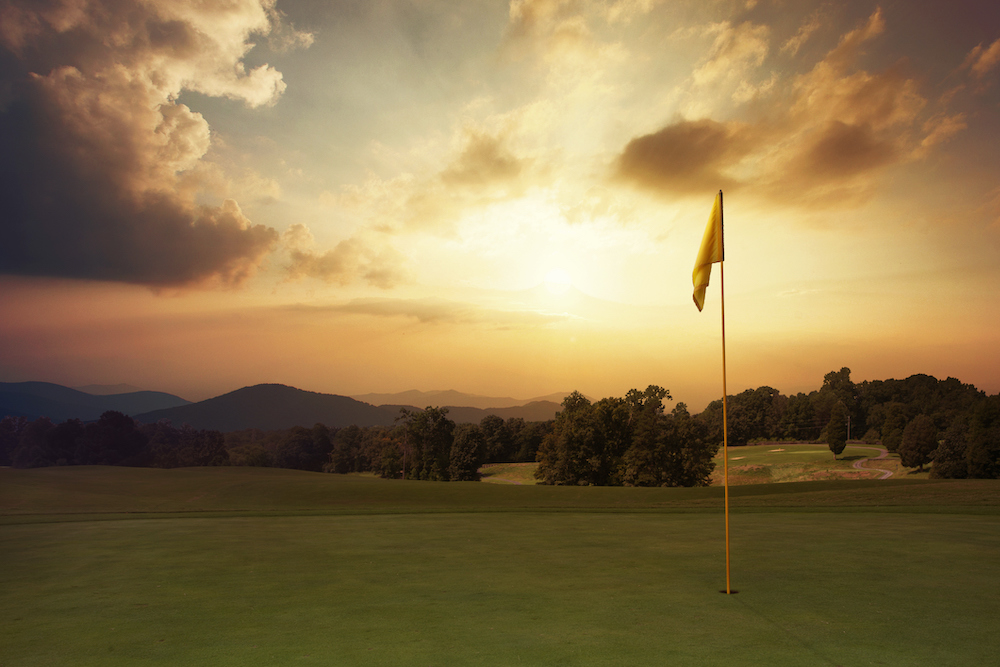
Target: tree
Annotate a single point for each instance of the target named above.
(836, 430)
(467, 453)
(32, 446)
(950, 456)
(645, 461)
(691, 454)
(10, 434)
(627, 441)
(918, 443)
(499, 440)
(983, 453)
(563, 454)
(429, 435)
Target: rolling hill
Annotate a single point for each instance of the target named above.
(456, 399)
(59, 403)
(263, 406)
(273, 406)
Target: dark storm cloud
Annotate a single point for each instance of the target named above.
(98, 160)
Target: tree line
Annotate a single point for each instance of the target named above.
(628, 441)
(114, 439)
(422, 445)
(631, 440)
(946, 423)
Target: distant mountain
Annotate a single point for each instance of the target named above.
(453, 398)
(273, 406)
(108, 389)
(59, 403)
(264, 406)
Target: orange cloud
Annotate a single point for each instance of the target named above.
(818, 137)
(980, 61)
(687, 156)
(350, 260)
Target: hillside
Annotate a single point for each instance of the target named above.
(456, 399)
(273, 406)
(536, 411)
(59, 403)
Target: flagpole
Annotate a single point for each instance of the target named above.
(725, 411)
(725, 426)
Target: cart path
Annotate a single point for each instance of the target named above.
(882, 453)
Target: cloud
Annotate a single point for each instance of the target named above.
(735, 50)
(483, 168)
(980, 61)
(816, 138)
(441, 311)
(350, 260)
(794, 43)
(485, 159)
(100, 161)
(625, 11)
(548, 26)
(839, 151)
(686, 156)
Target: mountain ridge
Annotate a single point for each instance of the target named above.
(263, 406)
(46, 399)
(452, 398)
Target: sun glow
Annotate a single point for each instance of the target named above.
(558, 281)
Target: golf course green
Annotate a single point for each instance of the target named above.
(241, 566)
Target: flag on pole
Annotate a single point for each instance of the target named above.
(711, 252)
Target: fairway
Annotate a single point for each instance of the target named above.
(801, 462)
(498, 580)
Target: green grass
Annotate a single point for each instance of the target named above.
(759, 464)
(271, 567)
(509, 473)
(798, 462)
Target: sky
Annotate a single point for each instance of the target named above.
(504, 199)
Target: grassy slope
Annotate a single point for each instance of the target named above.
(54, 493)
(759, 464)
(780, 462)
(272, 567)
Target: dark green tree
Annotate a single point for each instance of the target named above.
(920, 439)
(33, 449)
(646, 460)
(428, 437)
(983, 453)
(836, 429)
(467, 453)
(499, 441)
(950, 456)
(563, 457)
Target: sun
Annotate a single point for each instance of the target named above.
(558, 281)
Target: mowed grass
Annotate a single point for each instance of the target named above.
(798, 462)
(509, 473)
(269, 567)
(760, 464)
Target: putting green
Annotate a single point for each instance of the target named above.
(505, 587)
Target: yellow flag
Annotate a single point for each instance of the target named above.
(711, 251)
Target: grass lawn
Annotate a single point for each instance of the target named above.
(797, 462)
(112, 567)
(759, 464)
(509, 473)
